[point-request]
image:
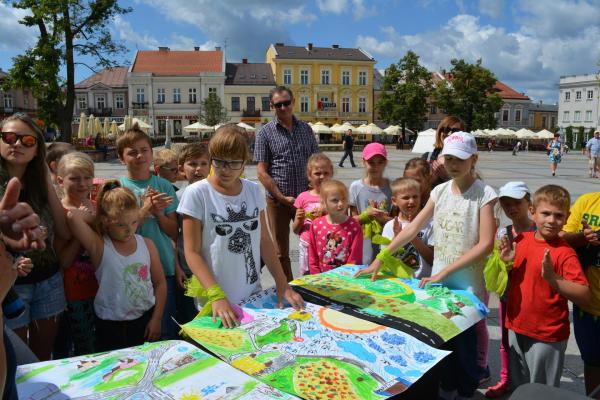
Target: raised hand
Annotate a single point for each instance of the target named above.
(506, 249)
(548, 268)
(19, 224)
(590, 235)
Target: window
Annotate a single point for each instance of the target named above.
(362, 104)
(325, 77)
(139, 95)
(553, 123)
(119, 101)
(7, 100)
(160, 95)
(566, 116)
(303, 77)
(81, 102)
(162, 127)
(265, 103)
(588, 115)
(304, 104)
(235, 104)
(212, 91)
(345, 78)
(517, 115)
(250, 101)
(433, 110)
(287, 76)
(362, 78)
(578, 95)
(177, 95)
(345, 104)
(192, 95)
(100, 102)
(590, 94)
(567, 96)
(577, 116)
(177, 127)
(505, 115)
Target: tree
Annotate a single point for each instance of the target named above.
(212, 111)
(469, 94)
(405, 89)
(67, 28)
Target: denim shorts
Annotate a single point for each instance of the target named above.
(42, 300)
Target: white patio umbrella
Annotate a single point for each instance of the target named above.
(91, 126)
(114, 129)
(320, 127)
(105, 127)
(198, 127)
(370, 129)
(344, 127)
(217, 126)
(82, 130)
(393, 130)
(127, 123)
(335, 127)
(544, 134)
(524, 133)
(503, 133)
(478, 133)
(425, 141)
(247, 127)
(132, 121)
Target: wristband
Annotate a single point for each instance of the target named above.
(193, 288)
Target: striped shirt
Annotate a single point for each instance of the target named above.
(286, 154)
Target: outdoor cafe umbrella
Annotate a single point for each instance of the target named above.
(91, 125)
(524, 133)
(544, 134)
(344, 127)
(81, 131)
(320, 127)
(247, 127)
(370, 129)
(198, 127)
(105, 127)
(114, 129)
(132, 121)
(392, 130)
(97, 127)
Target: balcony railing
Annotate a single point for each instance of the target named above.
(251, 113)
(100, 112)
(139, 105)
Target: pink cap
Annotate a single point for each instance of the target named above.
(374, 149)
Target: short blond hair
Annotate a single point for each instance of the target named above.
(130, 137)
(191, 151)
(332, 185)
(75, 161)
(553, 194)
(113, 199)
(318, 158)
(402, 184)
(164, 156)
(229, 142)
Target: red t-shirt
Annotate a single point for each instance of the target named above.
(534, 308)
(330, 246)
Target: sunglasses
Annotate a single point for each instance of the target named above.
(232, 164)
(285, 103)
(12, 138)
(451, 130)
(167, 169)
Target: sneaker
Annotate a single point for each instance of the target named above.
(498, 390)
(484, 375)
(340, 165)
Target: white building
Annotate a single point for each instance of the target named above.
(167, 86)
(578, 104)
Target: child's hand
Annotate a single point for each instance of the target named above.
(397, 226)
(24, 266)
(300, 214)
(291, 296)
(548, 269)
(440, 276)
(222, 309)
(152, 331)
(590, 235)
(374, 212)
(506, 249)
(160, 201)
(371, 269)
(180, 277)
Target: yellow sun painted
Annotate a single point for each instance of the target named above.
(190, 396)
(300, 316)
(345, 323)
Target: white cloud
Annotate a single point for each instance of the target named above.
(357, 7)
(13, 35)
(333, 6)
(492, 8)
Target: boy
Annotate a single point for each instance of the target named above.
(545, 275)
(157, 215)
(165, 165)
(194, 165)
(54, 153)
(581, 232)
(418, 254)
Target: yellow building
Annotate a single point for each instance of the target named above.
(330, 84)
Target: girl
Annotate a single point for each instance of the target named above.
(420, 170)
(75, 175)
(318, 168)
(464, 226)
(515, 200)
(23, 152)
(334, 239)
(225, 234)
(132, 288)
(555, 151)
(370, 196)
(446, 127)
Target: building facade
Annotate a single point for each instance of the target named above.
(514, 113)
(247, 89)
(16, 100)
(330, 84)
(578, 101)
(543, 116)
(166, 87)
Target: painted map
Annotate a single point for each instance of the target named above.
(317, 353)
(434, 314)
(160, 370)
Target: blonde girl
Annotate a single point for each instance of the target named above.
(132, 288)
(420, 170)
(319, 168)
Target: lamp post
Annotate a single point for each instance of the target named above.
(167, 134)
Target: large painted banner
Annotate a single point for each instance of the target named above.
(161, 370)
(317, 353)
(433, 314)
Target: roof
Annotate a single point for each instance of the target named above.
(320, 53)
(506, 92)
(3, 74)
(168, 63)
(543, 107)
(249, 74)
(112, 77)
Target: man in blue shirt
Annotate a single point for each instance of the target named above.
(593, 151)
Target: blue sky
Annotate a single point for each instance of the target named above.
(528, 44)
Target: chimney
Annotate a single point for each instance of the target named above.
(310, 45)
(196, 48)
(335, 46)
(244, 61)
(279, 44)
(163, 48)
(218, 48)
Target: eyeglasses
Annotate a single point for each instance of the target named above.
(167, 169)
(13, 137)
(285, 103)
(231, 164)
(451, 130)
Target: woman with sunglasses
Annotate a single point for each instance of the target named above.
(22, 155)
(447, 126)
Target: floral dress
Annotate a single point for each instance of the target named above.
(555, 154)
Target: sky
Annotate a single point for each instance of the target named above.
(527, 44)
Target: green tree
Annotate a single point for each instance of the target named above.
(469, 94)
(67, 28)
(580, 138)
(212, 111)
(569, 135)
(405, 89)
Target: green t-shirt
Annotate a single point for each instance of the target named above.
(150, 228)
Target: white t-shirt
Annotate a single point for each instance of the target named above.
(456, 230)
(230, 234)
(411, 256)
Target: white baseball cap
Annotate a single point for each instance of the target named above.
(514, 190)
(460, 144)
